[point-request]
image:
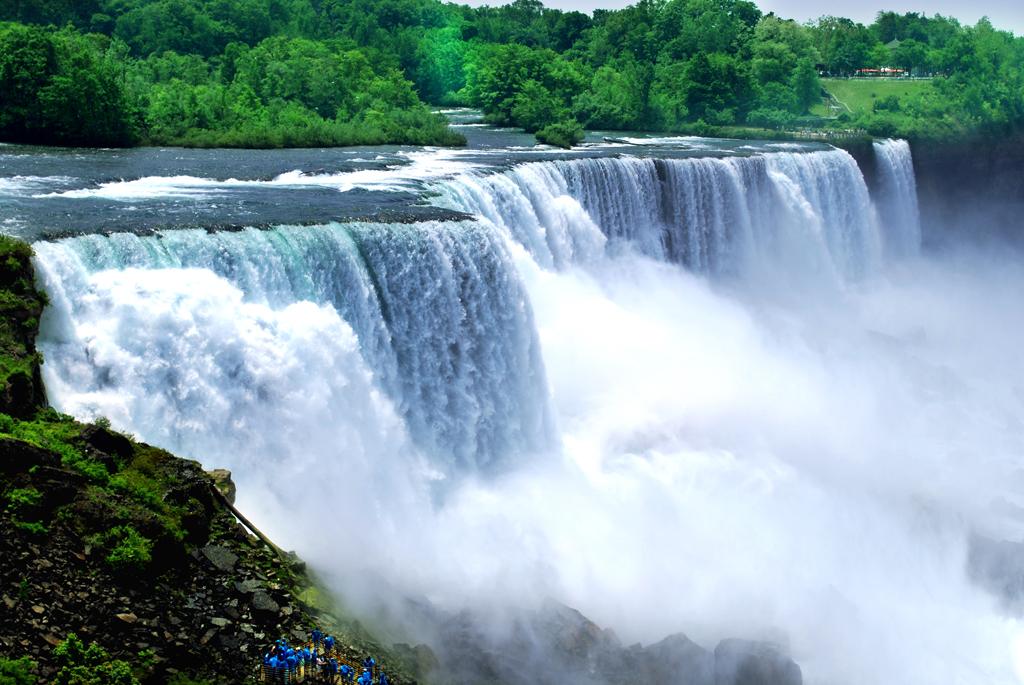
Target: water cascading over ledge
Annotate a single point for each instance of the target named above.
(897, 196)
(731, 462)
(713, 215)
(441, 321)
(440, 317)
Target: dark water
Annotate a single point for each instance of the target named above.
(53, 192)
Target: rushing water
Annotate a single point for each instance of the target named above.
(709, 214)
(897, 190)
(685, 388)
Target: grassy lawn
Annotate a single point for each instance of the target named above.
(860, 94)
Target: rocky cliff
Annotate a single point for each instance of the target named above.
(966, 188)
(125, 546)
(971, 188)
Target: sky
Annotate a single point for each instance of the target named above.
(1005, 14)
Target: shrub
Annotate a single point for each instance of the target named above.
(17, 671)
(564, 134)
(890, 103)
(127, 548)
(22, 505)
(82, 665)
(770, 118)
(20, 499)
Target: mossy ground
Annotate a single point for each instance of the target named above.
(114, 541)
(21, 305)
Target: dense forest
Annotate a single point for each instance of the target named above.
(336, 72)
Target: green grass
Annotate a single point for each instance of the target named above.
(860, 94)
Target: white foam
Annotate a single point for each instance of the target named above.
(26, 185)
(417, 166)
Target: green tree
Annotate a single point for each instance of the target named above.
(536, 107)
(806, 86)
(719, 90)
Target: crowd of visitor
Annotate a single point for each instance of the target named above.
(318, 662)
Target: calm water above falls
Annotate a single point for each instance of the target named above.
(680, 384)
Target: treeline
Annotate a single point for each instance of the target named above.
(700, 65)
(290, 72)
(174, 73)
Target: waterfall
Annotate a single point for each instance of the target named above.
(721, 453)
(438, 311)
(713, 215)
(897, 193)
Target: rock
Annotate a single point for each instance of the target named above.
(222, 481)
(292, 560)
(18, 457)
(220, 622)
(38, 609)
(745, 662)
(57, 485)
(264, 606)
(221, 557)
(108, 442)
(419, 660)
(128, 617)
(52, 639)
(678, 660)
(567, 630)
(248, 586)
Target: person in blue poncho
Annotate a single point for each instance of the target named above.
(383, 680)
(277, 667)
(269, 661)
(365, 678)
(329, 644)
(346, 673)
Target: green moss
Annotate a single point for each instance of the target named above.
(17, 671)
(22, 505)
(58, 433)
(20, 499)
(20, 308)
(139, 487)
(31, 527)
